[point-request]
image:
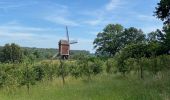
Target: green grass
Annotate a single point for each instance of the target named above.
(102, 87)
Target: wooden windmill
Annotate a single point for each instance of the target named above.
(64, 46)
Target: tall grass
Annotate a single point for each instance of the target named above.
(102, 87)
(108, 85)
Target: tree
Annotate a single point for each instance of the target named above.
(75, 70)
(12, 53)
(108, 42)
(115, 37)
(166, 41)
(63, 70)
(163, 11)
(90, 66)
(37, 54)
(132, 35)
(39, 72)
(136, 51)
(156, 36)
(159, 41)
(28, 77)
(111, 65)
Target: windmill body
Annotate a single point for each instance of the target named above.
(64, 46)
(64, 49)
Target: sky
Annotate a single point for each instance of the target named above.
(41, 23)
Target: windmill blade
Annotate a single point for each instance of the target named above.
(73, 41)
(67, 35)
(55, 56)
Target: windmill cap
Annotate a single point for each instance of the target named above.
(63, 42)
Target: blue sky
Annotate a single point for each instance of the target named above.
(41, 23)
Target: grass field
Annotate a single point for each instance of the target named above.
(103, 87)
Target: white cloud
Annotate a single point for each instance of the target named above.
(93, 22)
(6, 5)
(60, 16)
(16, 31)
(20, 28)
(102, 15)
(15, 26)
(147, 17)
(112, 4)
(61, 20)
(16, 36)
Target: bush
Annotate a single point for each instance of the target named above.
(111, 65)
(39, 72)
(90, 66)
(28, 76)
(50, 69)
(74, 70)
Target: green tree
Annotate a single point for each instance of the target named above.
(108, 42)
(90, 66)
(75, 70)
(39, 72)
(163, 11)
(132, 35)
(115, 37)
(12, 53)
(166, 41)
(111, 65)
(136, 51)
(27, 77)
(63, 70)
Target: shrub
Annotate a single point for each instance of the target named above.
(111, 65)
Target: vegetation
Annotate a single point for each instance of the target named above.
(37, 54)
(127, 65)
(162, 11)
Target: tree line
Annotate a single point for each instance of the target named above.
(15, 54)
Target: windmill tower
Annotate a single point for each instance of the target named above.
(64, 46)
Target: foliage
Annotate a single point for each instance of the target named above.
(27, 77)
(12, 53)
(115, 37)
(131, 51)
(108, 42)
(163, 11)
(111, 66)
(75, 70)
(159, 41)
(63, 70)
(39, 72)
(166, 41)
(90, 66)
(103, 87)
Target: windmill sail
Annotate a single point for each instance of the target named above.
(73, 41)
(67, 35)
(64, 46)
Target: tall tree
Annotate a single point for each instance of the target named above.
(12, 53)
(132, 35)
(163, 11)
(107, 42)
(136, 51)
(166, 40)
(115, 37)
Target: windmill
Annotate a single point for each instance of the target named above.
(64, 46)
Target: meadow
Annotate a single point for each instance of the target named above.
(87, 78)
(101, 87)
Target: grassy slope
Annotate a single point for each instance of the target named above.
(100, 88)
